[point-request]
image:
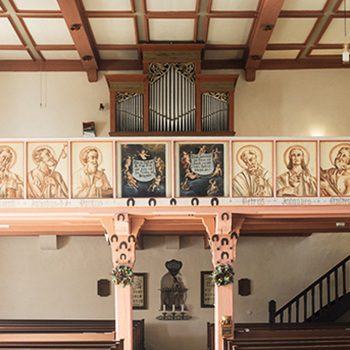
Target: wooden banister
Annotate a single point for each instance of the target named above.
(316, 289)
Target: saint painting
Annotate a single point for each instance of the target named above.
(48, 170)
(252, 179)
(298, 179)
(92, 168)
(201, 170)
(143, 170)
(11, 171)
(335, 169)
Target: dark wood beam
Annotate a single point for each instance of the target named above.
(269, 11)
(39, 66)
(72, 13)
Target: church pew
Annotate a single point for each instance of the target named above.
(96, 341)
(71, 326)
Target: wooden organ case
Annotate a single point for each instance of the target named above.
(172, 97)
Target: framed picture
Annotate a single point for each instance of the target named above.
(143, 169)
(139, 291)
(201, 169)
(11, 170)
(207, 289)
(334, 168)
(47, 164)
(296, 169)
(92, 169)
(252, 169)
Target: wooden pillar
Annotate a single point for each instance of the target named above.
(223, 242)
(123, 241)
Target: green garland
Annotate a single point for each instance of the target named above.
(122, 275)
(223, 275)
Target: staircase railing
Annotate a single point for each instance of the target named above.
(316, 299)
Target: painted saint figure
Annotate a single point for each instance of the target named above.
(254, 180)
(11, 184)
(335, 181)
(90, 181)
(44, 181)
(297, 181)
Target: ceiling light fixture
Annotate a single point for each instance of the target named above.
(75, 27)
(87, 58)
(345, 55)
(268, 28)
(256, 58)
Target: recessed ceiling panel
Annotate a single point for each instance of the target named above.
(14, 55)
(330, 52)
(166, 29)
(302, 5)
(118, 54)
(281, 54)
(292, 30)
(335, 32)
(60, 55)
(229, 31)
(115, 31)
(37, 5)
(8, 35)
(49, 31)
(223, 54)
(172, 5)
(234, 5)
(107, 5)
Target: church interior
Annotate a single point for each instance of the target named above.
(138, 84)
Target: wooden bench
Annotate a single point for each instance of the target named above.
(265, 336)
(296, 338)
(101, 331)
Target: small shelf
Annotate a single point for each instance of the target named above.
(173, 316)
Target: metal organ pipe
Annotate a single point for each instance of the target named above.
(172, 103)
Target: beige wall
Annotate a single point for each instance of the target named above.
(278, 103)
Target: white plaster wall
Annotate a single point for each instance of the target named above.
(54, 284)
(62, 284)
(278, 103)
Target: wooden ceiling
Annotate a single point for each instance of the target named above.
(90, 35)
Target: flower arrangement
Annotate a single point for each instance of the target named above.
(122, 275)
(223, 275)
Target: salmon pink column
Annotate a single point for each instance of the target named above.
(223, 241)
(123, 242)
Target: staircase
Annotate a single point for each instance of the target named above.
(325, 300)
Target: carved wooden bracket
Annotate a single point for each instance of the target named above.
(223, 233)
(123, 237)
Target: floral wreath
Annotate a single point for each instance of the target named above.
(122, 275)
(223, 275)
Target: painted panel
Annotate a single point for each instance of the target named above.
(334, 168)
(92, 169)
(47, 165)
(11, 170)
(252, 169)
(201, 169)
(143, 169)
(296, 169)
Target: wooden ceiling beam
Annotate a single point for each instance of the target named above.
(269, 11)
(72, 13)
(39, 66)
